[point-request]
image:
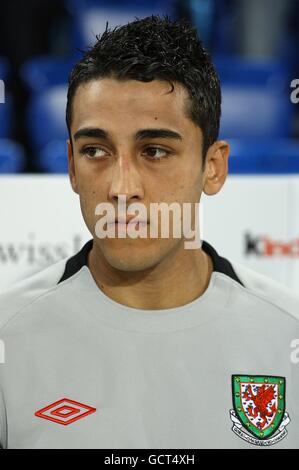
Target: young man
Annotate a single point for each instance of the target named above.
(141, 342)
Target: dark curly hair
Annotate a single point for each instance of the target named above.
(156, 48)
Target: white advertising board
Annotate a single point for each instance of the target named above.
(40, 223)
(253, 220)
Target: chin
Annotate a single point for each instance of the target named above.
(130, 262)
(137, 255)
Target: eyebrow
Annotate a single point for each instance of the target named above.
(98, 133)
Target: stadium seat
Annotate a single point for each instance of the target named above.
(254, 112)
(263, 156)
(6, 118)
(5, 101)
(255, 97)
(223, 37)
(46, 117)
(203, 14)
(47, 78)
(43, 72)
(53, 158)
(91, 16)
(79, 6)
(236, 70)
(4, 68)
(12, 157)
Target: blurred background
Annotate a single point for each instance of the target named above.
(254, 46)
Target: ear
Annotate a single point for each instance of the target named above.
(216, 167)
(71, 167)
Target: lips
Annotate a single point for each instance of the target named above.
(127, 220)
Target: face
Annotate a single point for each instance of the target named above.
(134, 139)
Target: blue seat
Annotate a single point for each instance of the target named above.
(79, 6)
(253, 72)
(255, 112)
(255, 99)
(5, 101)
(53, 158)
(263, 156)
(4, 68)
(47, 78)
(12, 157)
(43, 72)
(46, 117)
(6, 117)
(91, 16)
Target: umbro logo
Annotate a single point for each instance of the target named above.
(65, 411)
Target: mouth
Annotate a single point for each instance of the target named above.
(125, 222)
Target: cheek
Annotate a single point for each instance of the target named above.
(91, 179)
(188, 170)
(89, 199)
(89, 186)
(187, 187)
(88, 203)
(194, 181)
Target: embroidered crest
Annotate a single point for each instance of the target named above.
(259, 407)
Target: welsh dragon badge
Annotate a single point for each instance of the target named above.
(259, 408)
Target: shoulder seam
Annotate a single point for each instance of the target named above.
(259, 296)
(48, 291)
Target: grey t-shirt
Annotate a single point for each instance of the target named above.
(83, 371)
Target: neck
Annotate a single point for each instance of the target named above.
(176, 281)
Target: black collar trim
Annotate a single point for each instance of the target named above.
(221, 265)
(76, 262)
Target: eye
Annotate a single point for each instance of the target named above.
(156, 153)
(93, 152)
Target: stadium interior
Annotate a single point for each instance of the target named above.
(255, 69)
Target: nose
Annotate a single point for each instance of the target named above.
(126, 181)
